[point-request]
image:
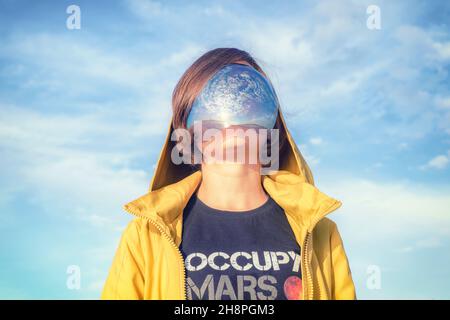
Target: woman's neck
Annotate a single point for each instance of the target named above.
(231, 187)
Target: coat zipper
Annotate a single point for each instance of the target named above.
(310, 283)
(169, 238)
(305, 263)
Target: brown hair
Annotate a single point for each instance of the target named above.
(196, 76)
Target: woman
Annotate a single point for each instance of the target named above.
(223, 229)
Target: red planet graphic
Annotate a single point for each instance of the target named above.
(293, 288)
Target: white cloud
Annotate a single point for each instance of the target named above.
(214, 10)
(423, 43)
(426, 243)
(146, 8)
(439, 162)
(380, 220)
(392, 210)
(280, 44)
(316, 141)
(406, 249)
(443, 49)
(61, 162)
(182, 57)
(60, 56)
(443, 102)
(77, 68)
(432, 242)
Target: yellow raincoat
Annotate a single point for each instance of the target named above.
(149, 265)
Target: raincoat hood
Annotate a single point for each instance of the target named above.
(292, 187)
(291, 160)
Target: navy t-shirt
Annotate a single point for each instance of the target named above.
(245, 255)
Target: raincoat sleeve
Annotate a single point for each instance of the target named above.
(125, 280)
(343, 287)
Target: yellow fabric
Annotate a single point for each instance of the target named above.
(149, 265)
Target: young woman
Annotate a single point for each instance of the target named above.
(223, 229)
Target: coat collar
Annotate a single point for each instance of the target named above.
(303, 203)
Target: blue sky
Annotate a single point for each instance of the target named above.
(83, 115)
